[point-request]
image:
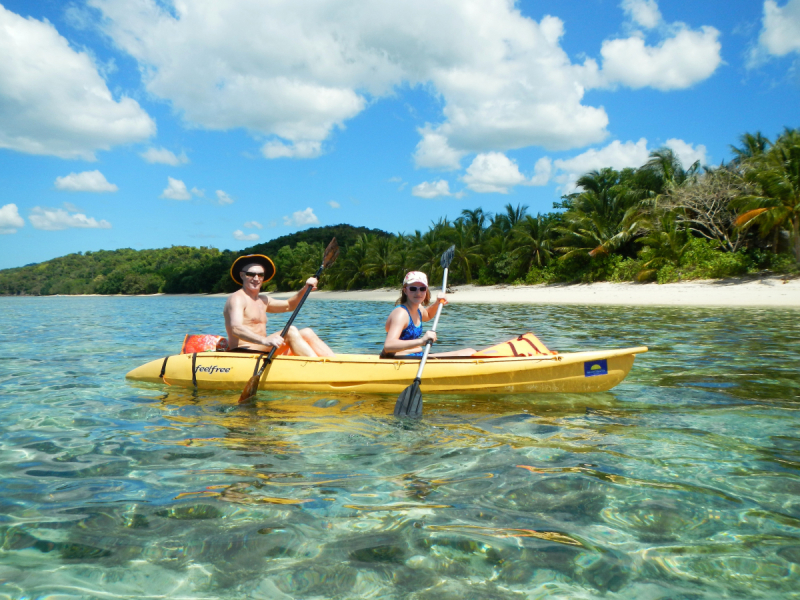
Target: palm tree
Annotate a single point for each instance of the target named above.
(476, 221)
(427, 250)
(599, 219)
(467, 252)
(665, 163)
(753, 145)
(665, 243)
(505, 222)
(350, 271)
(777, 175)
(379, 261)
(533, 241)
(402, 255)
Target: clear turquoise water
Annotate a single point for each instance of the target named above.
(681, 483)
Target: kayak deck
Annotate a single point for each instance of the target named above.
(579, 372)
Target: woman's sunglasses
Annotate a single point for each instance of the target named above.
(253, 275)
(414, 288)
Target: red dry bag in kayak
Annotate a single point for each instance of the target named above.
(203, 343)
(524, 345)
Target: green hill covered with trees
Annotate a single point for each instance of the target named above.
(175, 270)
(659, 222)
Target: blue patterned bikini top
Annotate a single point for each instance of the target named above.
(412, 332)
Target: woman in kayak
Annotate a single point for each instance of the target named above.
(404, 335)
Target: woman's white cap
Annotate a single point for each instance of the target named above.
(415, 277)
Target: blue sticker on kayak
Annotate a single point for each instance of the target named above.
(595, 367)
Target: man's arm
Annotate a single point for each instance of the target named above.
(280, 306)
(234, 322)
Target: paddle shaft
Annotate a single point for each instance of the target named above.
(268, 360)
(428, 344)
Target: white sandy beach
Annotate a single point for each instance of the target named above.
(769, 291)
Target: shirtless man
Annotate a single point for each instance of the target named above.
(246, 311)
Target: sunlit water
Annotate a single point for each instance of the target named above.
(681, 483)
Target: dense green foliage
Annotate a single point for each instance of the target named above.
(659, 222)
(175, 270)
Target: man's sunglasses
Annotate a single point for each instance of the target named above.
(253, 275)
(413, 288)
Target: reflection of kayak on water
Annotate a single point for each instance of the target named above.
(485, 373)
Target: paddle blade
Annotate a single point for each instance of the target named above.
(250, 390)
(331, 254)
(447, 257)
(409, 402)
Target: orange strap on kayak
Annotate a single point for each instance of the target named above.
(193, 343)
(524, 345)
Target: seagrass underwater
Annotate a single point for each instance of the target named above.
(676, 483)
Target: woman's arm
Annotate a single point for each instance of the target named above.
(397, 321)
(430, 312)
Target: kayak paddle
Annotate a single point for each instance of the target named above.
(251, 389)
(409, 402)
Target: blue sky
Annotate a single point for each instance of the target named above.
(151, 123)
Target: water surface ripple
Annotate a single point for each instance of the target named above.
(681, 483)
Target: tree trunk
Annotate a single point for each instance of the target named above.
(796, 236)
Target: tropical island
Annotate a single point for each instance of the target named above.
(656, 223)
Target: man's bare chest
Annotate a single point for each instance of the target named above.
(255, 313)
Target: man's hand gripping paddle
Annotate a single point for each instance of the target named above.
(251, 389)
(409, 402)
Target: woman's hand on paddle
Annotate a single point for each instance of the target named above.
(312, 281)
(429, 335)
(273, 340)
(441, 298)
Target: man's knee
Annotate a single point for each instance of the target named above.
(308, 333)
(293, 333)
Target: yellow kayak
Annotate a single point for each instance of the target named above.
(571, 372)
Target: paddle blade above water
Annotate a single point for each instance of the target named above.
(331, 254)
(447, 257)
(409, 402)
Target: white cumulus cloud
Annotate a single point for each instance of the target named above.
(687, 153)
(176, 190)
(253, 225)
(53, 99)
(56, 219)
(88, 181)
(298, 71)
(542, 171)
(643, 12)
(780, 33)
(334, 204)
(617, 155)
(301, 218)
(10, 220)
(162, 156)
(433, 152)
(431, 189)
(223, 198)
(302, 149)
(245, 237)
(493, 172)
(678, 62)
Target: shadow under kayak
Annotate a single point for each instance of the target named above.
(575, 372)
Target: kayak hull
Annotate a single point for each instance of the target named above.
(578, 372)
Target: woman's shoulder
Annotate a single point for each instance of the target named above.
(399, 311)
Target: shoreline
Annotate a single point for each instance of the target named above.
(767, 291)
